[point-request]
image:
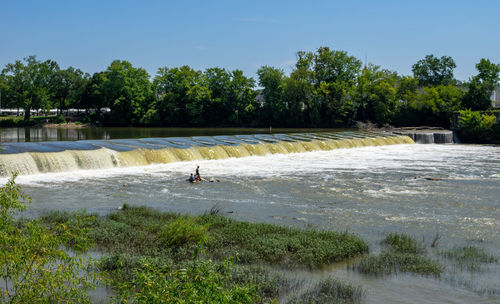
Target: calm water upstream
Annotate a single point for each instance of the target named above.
(369, 191)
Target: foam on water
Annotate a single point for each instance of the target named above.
(365, 190)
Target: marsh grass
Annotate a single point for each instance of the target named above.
(404, 254)
(471, 258)
(142, 231)
(388, 262)
(144, 250)
(402, 243)
(330, 290)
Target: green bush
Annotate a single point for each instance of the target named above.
(197, 282)
(183, 230)
(60, 119)
(34, 264)
(475, 126)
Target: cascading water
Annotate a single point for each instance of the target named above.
(44, 157)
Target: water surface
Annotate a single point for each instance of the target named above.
(369, 191)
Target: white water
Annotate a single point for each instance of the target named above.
(369, 191)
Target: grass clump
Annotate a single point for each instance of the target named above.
(183, 230)
(404, 254)
(279, 245)
(388, 262)
(330, 290)
(197, 281)
(403, 243)
(469, 257)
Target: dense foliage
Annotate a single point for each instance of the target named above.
(35, 266)
(326, 88)
(477, 126)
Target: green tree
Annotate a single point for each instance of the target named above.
(68, 87)
(299, 90)
(241, 99)
(376, 95)
(33, 263)
(127, 91)
(482, 85)
(336, 73)
(219, 108)
(29, 83)
(183, 96)
(432, 71)
(274, 109)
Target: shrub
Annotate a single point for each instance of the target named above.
(33, 263)
(60, 119)
(197, 282)
(473, 126)
(183, 230)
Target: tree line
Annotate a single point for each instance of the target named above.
(326, 88)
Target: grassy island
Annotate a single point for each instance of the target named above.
(155, 257)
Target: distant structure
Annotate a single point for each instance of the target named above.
(495, 98)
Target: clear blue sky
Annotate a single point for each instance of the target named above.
(89, 34)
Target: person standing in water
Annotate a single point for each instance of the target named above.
(197, 174)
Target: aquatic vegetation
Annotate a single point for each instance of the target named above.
(143, 231)
(405, 254)
(330, 290)
(181, 231)
(198, 281)
(403, 243)
(149, 254)
(280, 245)
(388, 262)
(469, 257)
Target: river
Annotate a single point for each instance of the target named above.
(452, 190)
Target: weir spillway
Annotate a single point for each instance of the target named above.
(61, 156)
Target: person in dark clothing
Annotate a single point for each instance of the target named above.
(191, 178)
(197, 174)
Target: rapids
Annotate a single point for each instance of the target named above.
(453, 190)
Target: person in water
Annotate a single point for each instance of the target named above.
(197, 174)
(191, 178)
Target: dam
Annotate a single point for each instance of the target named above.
(367, 183)
(28, 158)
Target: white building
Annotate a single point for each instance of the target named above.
(495, 97)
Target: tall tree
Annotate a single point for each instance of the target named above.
(375, 95)
(433, 71)
(482, 85)
(183, 96)
(336, 73)
(241, 99)
(127, 91)
(219, 108)
(68, 87)
(30, 83)
(271, 80)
